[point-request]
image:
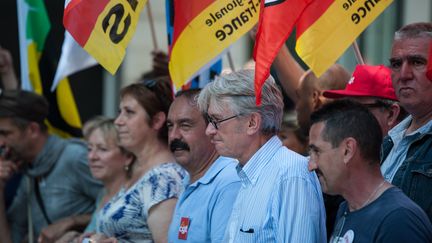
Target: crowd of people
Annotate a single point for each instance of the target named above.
(211, 166)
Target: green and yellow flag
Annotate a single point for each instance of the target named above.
(37, 72)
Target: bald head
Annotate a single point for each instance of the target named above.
(311, 88)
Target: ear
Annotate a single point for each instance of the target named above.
(317, 99)
(33, 129)
(129, 159)
(254, 123)
(393, 114)
(350, 149)
(158, 120)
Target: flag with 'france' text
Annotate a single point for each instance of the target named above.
(103, 27)
(277, 19)
(327, 28)
(203, 29)
(205, 75)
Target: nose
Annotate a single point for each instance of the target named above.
(92, 155)
(405, 72)
(312, 165)
(210, 130)
(119, 120)
(173, 133)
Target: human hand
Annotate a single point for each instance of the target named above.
(96, 238)
(160, 63)
(70, 237)
(5, 61)
(55, 231)
(7, 167)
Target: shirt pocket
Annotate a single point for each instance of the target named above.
(254, 233)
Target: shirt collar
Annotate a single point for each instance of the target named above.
(252, 169)
(403, 125)
(218, 165)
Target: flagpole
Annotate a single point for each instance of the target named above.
(152, 28)
(357, 52)
(230, 60)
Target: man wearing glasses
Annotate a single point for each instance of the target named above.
(279, 200)
(372, 87)
(344, 142)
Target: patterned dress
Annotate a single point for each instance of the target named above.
(125, 215)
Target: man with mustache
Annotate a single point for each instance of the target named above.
(344, 142)
(203, 209)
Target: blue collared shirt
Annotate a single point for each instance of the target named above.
(401, 143)
(206, 204)
(279, 200)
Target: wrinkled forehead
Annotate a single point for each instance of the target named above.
(406, 47)
(220, 105)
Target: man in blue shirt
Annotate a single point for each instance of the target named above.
(279, 200)
(203, 209)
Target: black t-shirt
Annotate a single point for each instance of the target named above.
(392, 217)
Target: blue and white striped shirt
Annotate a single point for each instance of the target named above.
(279, 200)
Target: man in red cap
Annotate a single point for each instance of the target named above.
(372, 86)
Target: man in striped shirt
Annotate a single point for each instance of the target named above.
(279, 200)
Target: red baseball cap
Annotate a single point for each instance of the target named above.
(367, 81)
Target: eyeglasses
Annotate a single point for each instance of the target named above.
(215, 122)
(377, 104)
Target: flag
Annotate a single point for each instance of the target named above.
(203, 29)
(277, 19)
(37, 70)
(429, 65)
(327, 28)
(103, 27)
(205, 74)
(73, 59)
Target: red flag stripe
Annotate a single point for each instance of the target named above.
(189, 10)
(313, 12)
(74, 11)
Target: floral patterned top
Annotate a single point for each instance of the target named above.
(125, 215)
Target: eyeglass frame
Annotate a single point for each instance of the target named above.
(216, 122)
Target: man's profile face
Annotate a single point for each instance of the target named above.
(408, 63)
(186, 133)
(13, 139)
(325, 160)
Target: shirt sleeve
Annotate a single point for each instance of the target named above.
(162, 184)
(301, 211)
(403, 225)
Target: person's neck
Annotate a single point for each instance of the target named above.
(252, 147)
(419, 120)
(196, 173)
(151, 155)
(37, 146)
(113, 186)
(364, 189)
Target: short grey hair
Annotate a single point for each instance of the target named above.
(236, 90)
(414, 30)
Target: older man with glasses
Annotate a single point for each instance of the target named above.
(280, 200)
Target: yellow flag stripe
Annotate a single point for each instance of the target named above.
(108, 46)
(328, 38)
(208, 34)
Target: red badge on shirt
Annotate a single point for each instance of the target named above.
(183, 229)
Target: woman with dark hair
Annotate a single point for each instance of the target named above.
(142, 210)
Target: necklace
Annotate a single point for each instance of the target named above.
(372, 194)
